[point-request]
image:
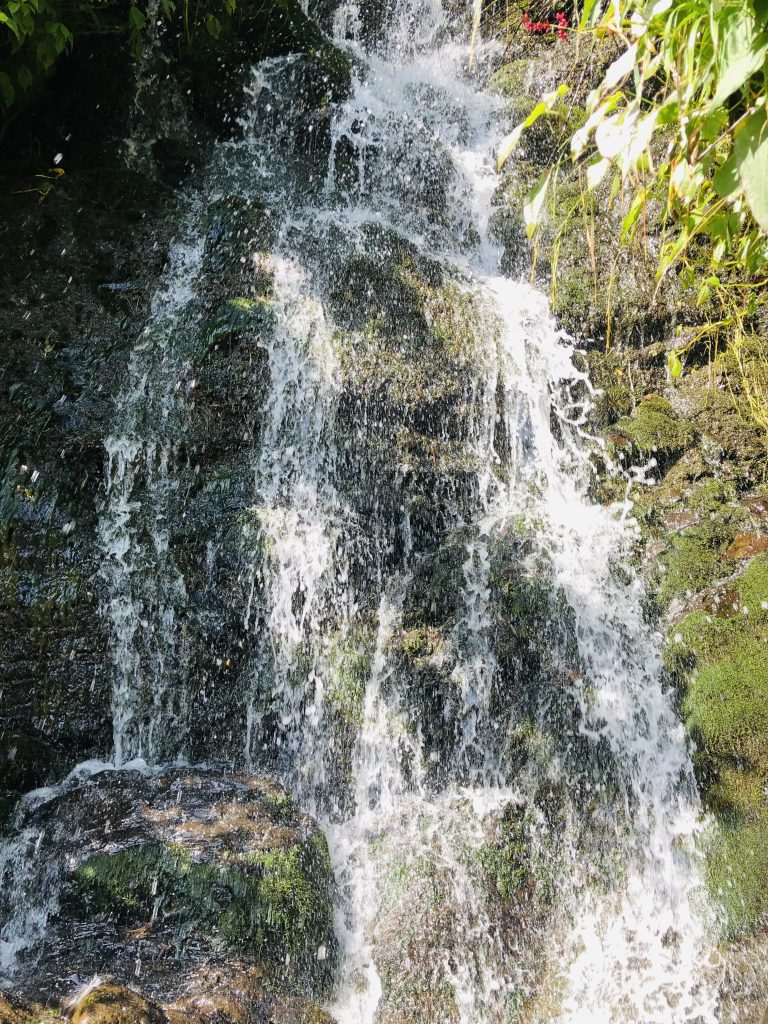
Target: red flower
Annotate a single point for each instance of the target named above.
(539, 27)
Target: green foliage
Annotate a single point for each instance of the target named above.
(35, 33)
(678, 123)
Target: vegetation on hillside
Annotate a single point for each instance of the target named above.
(678, 126)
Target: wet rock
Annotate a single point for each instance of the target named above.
(237, 994)
(115, 1004)
(148, 877)
(60, 248)
(757, 505)
(746, 545)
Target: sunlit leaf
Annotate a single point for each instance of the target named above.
(544, 106)
(674, 364)
(596, 172)
(726, 178)
(533, 206)
(620, 68)
(750, 148)
(741, 52)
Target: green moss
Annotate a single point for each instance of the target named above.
(726, 705)
(737, 874)
(695, 556)
(655, 427)
(421, 642)
(271, 905)
(508, 859)
(515, 81)
(726, 710)
(350, 667)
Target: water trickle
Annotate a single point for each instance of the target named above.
(140, 503)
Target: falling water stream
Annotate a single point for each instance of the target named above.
(412, 158)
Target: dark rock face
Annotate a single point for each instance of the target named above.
(177, 883)
(78, 268)
(84, 242)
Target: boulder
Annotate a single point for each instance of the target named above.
(168, 880)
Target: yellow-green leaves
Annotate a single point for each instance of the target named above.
(741, 52)
(674, 364)
(533, 207)
(750, 148)
(546, 105)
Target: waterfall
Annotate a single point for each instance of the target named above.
(375, 457)
(141, 488)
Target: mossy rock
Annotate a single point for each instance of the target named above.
(695, 556)
(272, 906)
(257, 29)
(350, 662)
(208, 867)
(114, 1004)
(235, 319)
(726, 710)
(14, 1010)
(655, 428)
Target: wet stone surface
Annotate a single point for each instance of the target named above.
(204, 891)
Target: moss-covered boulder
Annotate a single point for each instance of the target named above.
(655, 429)
(175, 870)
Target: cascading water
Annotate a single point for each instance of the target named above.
(411, 765)
(140, 602)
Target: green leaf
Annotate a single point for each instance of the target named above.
(24, 77)
(6, 89)
(761, 11)
(586, 13)
(629, 223)
(544, 106)
(4, 19)
(533, 206)
(726, 179)
(750, 148)
(741, 52)
(674, 364)
(136, 18)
